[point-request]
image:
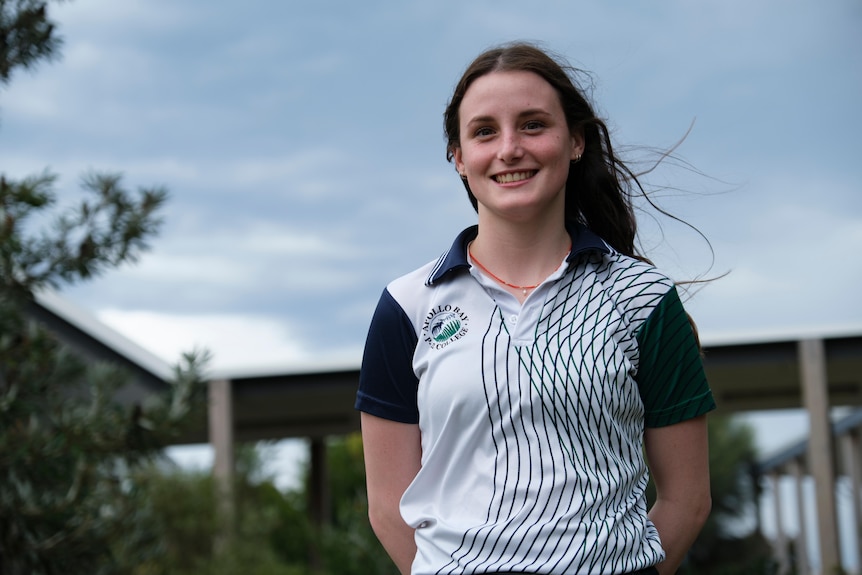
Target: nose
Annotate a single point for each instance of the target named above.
(510, 147)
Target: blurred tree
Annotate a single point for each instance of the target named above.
(729, 544)
(273, 533)
(26, 35)
(68, 449)
(67, 446)
(348, 544)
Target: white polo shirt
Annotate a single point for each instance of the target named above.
(532, 419)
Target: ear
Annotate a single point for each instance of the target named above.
(459, 163)
(578, 144)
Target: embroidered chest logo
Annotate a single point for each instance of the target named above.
(443, 325)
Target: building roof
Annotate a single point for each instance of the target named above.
(798, 450)
(761, 373)
(96, 341)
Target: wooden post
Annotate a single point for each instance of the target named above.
(802, 564)
(812, 369)
(852, 448)
(781, 549)
(318, 494)
(221, 433)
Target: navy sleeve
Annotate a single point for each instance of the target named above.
(387, 383)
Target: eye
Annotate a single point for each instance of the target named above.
(483, 132)
(533, 125)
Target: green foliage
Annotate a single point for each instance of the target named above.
(69, 448)
(291, 535)
(26, 35)
(66, 450)
(183, 516)
(109, 227)
(349, 546)
(67, 445)
(273, 534)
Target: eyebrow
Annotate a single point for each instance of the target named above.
(525, 113)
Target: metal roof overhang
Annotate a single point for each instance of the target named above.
(304, 404)
(743, 377)
(766, 374)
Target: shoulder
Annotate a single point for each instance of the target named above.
(417, 286)
(407, 298)
(633, 283)
(404, 286)
(409, 291)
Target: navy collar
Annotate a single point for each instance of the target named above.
(584, 240)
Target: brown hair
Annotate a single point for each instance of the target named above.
(599, 187)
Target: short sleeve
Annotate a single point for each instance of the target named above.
(670, 372)
(387, 382)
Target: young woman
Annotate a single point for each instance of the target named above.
(515, 390)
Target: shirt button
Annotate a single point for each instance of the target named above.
(513, 319)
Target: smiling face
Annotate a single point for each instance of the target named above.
(515, 146)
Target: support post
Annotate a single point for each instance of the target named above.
(221, 434)
(802, 564)
(318, 494)
(781, 548)
(319, 491)
(852, 448)
(812, 369)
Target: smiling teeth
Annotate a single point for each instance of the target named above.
(513, 177)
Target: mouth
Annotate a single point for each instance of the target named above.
(513, 177)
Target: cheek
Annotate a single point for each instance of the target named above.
(470, 159)
(560, 151)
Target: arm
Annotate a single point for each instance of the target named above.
(678, 458)
(393, 454)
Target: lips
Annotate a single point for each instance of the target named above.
(513, 177)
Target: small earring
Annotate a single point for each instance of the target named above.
(577, 159)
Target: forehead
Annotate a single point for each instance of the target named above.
(508, 91)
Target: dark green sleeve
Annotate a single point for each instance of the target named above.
(670, 373)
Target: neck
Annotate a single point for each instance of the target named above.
(521, 255)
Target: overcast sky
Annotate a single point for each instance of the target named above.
(302, 146)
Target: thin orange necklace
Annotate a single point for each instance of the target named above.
(502, 281)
